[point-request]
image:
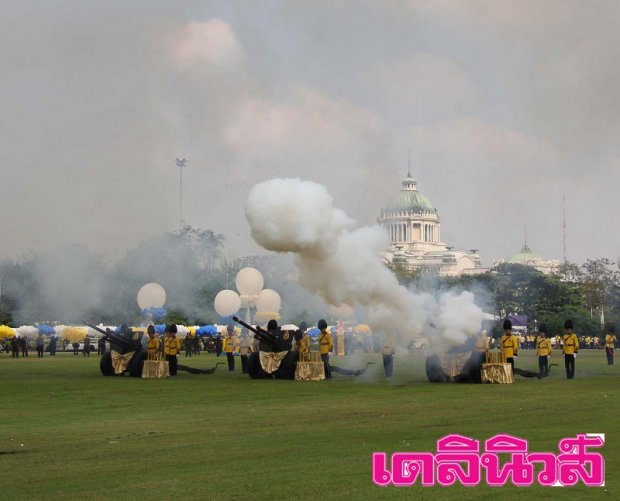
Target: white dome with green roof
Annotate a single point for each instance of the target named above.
(524, 255)
(410, 199)
(414, 231)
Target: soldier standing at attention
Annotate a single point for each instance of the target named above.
(510, 346)
(543, 350)
(610, 344)
(172, 347)
(303, 345)
(152, 345)
(231, 346)
(86, 349)
(326, 345)
(571, 348)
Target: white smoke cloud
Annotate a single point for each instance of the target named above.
(210, 43)
(342, 264)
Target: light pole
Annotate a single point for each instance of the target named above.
(180, 164)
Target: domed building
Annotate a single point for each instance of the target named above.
(528, 258)
(414, 228)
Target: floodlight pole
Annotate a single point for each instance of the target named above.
(181, 163)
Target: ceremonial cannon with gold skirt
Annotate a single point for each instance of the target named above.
(126, 353)
(473, 362)
(275, 358)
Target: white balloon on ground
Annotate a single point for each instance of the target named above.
(268, 300)
(151, 295)
(227, 302)
(28, 331)
(182, 331)
(249, 281)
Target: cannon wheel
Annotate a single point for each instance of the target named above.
(434, 372)
(137, 364)
(105, 365)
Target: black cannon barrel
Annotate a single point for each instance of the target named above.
(259, 333)
(115, 338)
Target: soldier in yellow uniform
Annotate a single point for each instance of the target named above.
(302, 343)
(172, 347)
(510, 346)
(610, 344)
(571, 348)
(152, 345)
(543, 350)
(326, 345)
(231, 346)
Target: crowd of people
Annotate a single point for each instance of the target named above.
(569, 343)
(232, 344)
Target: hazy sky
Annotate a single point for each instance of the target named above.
(506, 107)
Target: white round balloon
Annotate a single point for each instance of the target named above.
(182, 331)
(151, 295)
(28, 331)
(249, 281)
(268, 300)
(227, 302)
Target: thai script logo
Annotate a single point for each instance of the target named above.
(459, 459)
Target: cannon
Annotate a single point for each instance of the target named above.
(464, 364)
(126, 348)
(128, 352)
(275, 358)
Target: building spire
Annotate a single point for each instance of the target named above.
(525, 248)
(409, 165)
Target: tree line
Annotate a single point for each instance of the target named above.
(74, 284)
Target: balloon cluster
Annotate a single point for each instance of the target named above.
(249, 282)
(206, 330)
(7, 332)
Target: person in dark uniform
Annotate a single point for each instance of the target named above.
(15, 347)
(86, 349)
(23, 343)
(76, 348)
(326, 346)
(543, 350)
(388, 347)
(610, 344)
(53, 345)
(40, 346)
(188, 345)
(231, 346)
(101, 346)
(571, 348)
(509, 344)
(218, 344)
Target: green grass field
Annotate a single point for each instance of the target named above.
(225, 436)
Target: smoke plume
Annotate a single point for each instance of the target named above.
(342, 264)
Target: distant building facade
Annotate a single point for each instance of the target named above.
(528, 258)
(414, 228)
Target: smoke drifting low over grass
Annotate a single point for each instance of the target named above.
(341, 263)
